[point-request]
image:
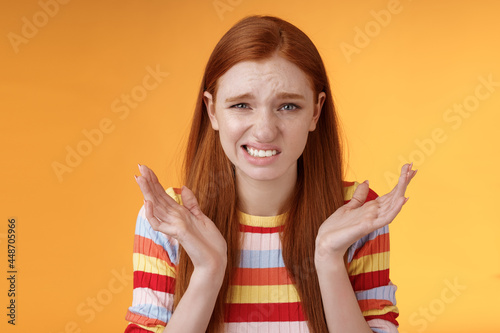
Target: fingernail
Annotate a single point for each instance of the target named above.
(406, 200)
(139, 166)
(135, 177)
(367, 182)
(411, 165)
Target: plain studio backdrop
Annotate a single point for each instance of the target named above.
(88, 89)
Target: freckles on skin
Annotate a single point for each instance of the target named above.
(263, 88)
(270, 82)
(263, 79)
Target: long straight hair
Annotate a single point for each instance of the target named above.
(319, 187)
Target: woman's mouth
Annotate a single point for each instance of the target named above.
(259, 152)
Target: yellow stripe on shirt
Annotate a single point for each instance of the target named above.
(378, 312)
(177, 197)
(264, 294)
(152, 265)
(349, 191)
(369, 263)
(155, 329)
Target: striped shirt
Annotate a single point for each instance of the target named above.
(262, 297)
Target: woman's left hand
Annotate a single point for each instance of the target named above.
(357, 218)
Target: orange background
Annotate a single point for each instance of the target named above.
(396, 81)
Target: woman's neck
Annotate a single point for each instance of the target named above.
(264, 197)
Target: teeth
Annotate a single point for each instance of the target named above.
(261, 153)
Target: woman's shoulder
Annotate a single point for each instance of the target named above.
(350, 187)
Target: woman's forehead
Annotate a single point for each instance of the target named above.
(274, 75)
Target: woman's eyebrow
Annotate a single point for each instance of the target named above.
(287, 95)
(282, 95)
(239, 97)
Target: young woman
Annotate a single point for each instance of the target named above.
(265, 236)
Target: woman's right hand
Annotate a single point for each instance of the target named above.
(195, 232)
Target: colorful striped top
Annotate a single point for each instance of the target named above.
(262, 298)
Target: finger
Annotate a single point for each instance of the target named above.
(145, 188)
(152, 179)
(400, 188)
(153, 220)
(149, 173)
(156, 223)
(389, 215)
(156, 188)
(190, 202)
(390, 203)
(403, 180)
(166, 208)
(160, 208)
(396, 208)
(359, 196)
(410, 173)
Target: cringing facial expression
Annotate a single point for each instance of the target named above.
(264, 111)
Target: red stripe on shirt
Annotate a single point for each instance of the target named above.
(389, 316)
(379, 244)
(141, 320)
(261, 276)
(260, 230)
(149, 248)
(373, 304)
(154, 281)
(262, 312)
(133, 328)
(370, 280)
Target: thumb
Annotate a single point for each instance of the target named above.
(190, 202)
(359, 196)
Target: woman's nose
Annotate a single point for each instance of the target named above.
(265, 126)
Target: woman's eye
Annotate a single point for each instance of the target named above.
(239, 106)
(289, 107)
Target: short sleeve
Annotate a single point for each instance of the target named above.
(368, 269)
(155, 257)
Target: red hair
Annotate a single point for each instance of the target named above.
(319, 188)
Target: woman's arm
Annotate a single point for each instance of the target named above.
(201, 240)
(348, 224)
(155, 257)
(339, 301)
(195, 308)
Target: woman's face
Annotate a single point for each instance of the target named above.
(264, 111)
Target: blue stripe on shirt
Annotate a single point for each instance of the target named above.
(360, 242)
(384, 292)
(261, 259)
(144, 229)
(151, 311)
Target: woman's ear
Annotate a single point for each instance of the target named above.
(317, 110)
(210, 106)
